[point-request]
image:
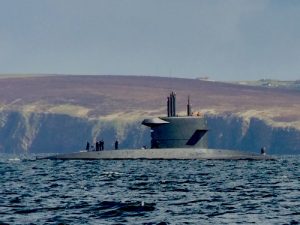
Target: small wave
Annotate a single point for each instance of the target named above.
(116, 209)
(34, 210)
(14, 159)
(112, 173)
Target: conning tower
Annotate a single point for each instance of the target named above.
(176, 131)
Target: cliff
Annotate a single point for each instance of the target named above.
(48, 132)
(60, 113)
(233, 132)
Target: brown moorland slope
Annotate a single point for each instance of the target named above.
(136, 96)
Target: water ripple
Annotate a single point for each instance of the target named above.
(149, 192)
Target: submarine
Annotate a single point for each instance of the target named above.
(173, 137)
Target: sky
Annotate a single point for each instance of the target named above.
(223, 40)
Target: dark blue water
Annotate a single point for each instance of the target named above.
(149, 192)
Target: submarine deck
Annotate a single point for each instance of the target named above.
(152, 154)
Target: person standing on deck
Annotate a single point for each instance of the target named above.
(97, 146)
(116, 145)
(101, 145)
(87, 146)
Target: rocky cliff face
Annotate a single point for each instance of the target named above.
(60, 113)
(47, 132)
(41, 133)
(234, 132)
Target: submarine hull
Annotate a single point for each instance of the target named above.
(172, 154)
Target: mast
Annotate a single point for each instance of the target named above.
(171, 105)
(189, 107)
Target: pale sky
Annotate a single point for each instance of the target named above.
(222, 39)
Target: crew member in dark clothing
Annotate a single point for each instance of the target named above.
(116, 145)
(87, 146)
(101, 145)
(97, 146)
(154, 143)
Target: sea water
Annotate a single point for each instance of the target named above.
(149, 191)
